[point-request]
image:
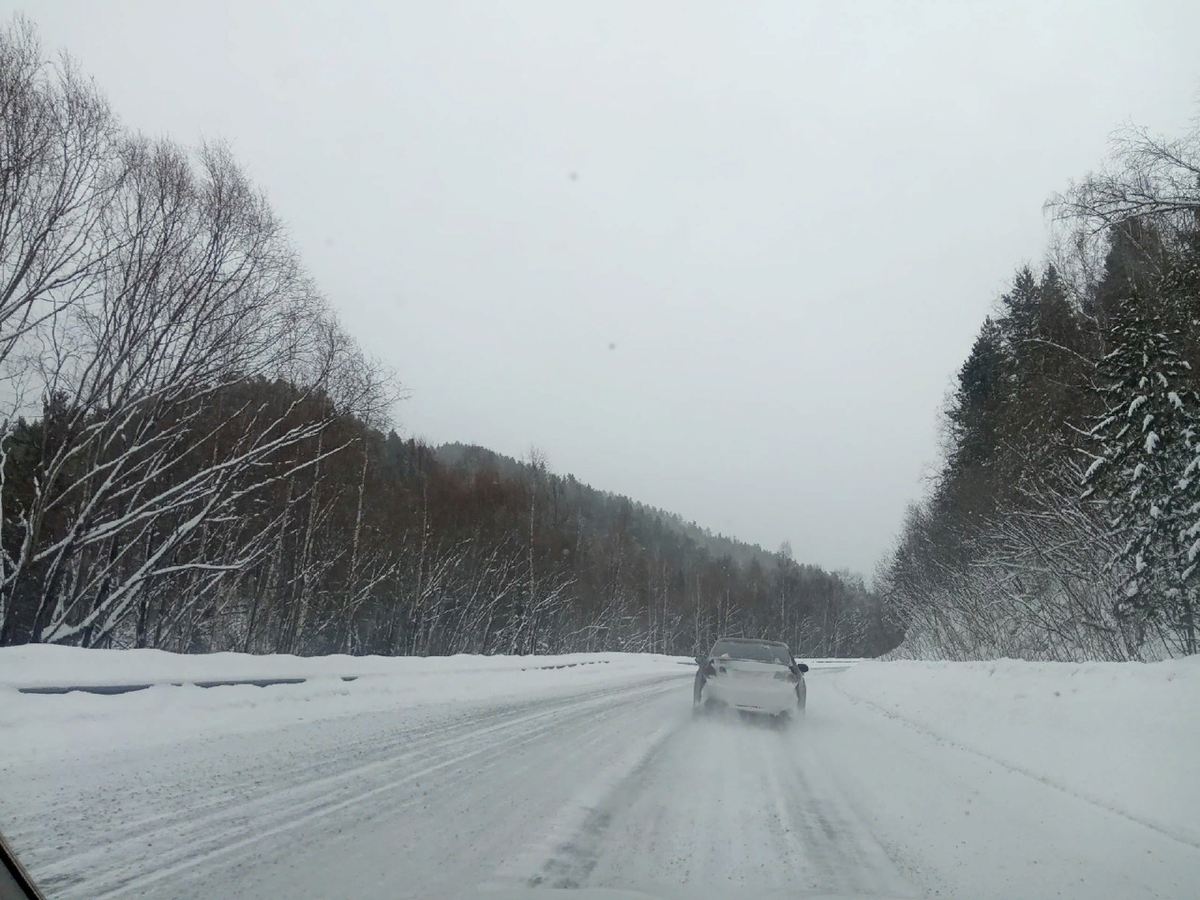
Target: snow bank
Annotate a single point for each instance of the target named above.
(1122, 735)
(39, 665)
(174, 709)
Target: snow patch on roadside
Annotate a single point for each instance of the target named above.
(40, 665)
(1120, 735)
(66, 724)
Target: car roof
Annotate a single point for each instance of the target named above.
(750, 641)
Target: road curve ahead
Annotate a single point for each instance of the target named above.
(613, 786)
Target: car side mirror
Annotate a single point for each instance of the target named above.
(801, 667)
(700, 660)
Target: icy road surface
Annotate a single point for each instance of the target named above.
(600, 782)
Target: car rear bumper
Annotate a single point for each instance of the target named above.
(770, 697)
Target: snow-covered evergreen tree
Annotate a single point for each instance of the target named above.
(1144, 471)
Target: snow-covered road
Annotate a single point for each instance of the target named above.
(601, 782)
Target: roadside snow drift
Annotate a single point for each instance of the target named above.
(173, 708)
(1122, 735)
(36, 665)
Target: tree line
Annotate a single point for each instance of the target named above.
(1064, 522)
(195, 456)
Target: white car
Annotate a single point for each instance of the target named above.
(751, 676)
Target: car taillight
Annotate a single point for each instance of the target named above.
(709, 671)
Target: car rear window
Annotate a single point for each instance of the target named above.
(753, 650)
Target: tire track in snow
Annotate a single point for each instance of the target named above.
(421, 744)
(138, 855)
(570, 864)
(725, 801)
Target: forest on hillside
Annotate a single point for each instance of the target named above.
(1064, 523)
(195, 455)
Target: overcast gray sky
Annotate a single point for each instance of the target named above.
(722, 257)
